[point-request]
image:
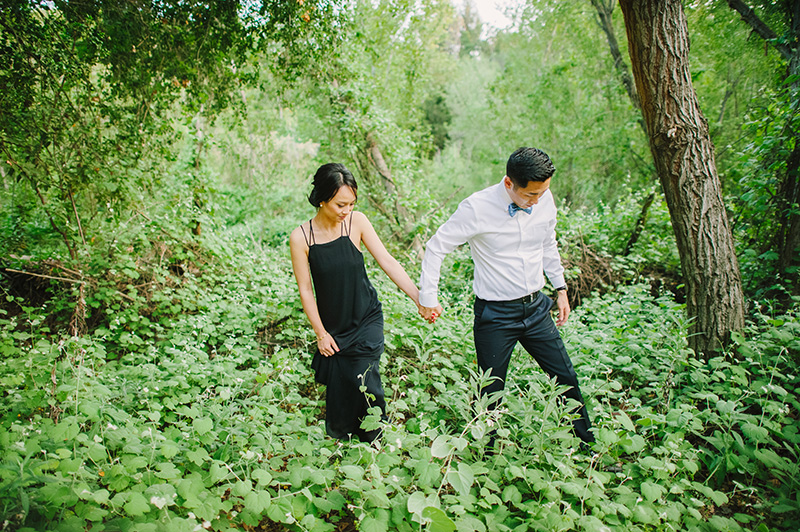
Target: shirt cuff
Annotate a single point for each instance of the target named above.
(557, 281)
(428, 300)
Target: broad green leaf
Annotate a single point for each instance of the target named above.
(439, 520)
(198, 456)
(461, 478)
(136, 505)
(202, 425)
(377, 521)
(416, 503)
(169, 449)
(645, 514)
(257, 501)
(353, 471)
(770, 458)
(626, 422)
(512, 494)
(590, 523)
(441, 446)
(161, 495)
(262, 477)
(242, 488)
(652, 492)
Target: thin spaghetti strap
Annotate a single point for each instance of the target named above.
(350, 227)
(305, 237)
(311, 231)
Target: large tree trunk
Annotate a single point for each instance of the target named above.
(658, 42)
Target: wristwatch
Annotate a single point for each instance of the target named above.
(561, 288)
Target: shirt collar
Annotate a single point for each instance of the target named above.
(504, 198)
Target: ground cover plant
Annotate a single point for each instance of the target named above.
(201, 413)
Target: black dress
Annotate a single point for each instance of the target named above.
(351, 313)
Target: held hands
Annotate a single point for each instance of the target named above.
(430, 314)
(563, 308)
(327, 345)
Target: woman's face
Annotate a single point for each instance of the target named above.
(340, 205)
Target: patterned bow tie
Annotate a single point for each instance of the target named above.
(513, 208)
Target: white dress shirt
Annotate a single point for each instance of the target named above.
(511, 254)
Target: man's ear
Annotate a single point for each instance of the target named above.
(508, 183)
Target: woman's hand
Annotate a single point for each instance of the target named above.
(430, 314)
(327, 345)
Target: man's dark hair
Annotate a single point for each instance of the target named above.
(529, 164)
(327, 182)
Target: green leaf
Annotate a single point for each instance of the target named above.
(652, 492)
(352, 471)
(590, 523)
(439, 520)
(645, 514)
(136, 505)
(257, 501)
(634, 444)
(202, 425)
(242, 488)
(626, 422)
(770, 458)
(262, 476)
(441, 446)
(462, 478)
(416, 503)
(377, 521)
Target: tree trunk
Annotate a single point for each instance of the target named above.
(658, 42)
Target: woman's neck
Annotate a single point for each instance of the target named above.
(327, 224)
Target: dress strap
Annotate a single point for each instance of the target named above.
(349, 227)
(312, 240)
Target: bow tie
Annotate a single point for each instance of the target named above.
(513, 208)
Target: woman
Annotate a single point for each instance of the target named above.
(345, 314)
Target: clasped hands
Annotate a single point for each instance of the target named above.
(430, 314)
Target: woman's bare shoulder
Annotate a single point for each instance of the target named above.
(299, 235)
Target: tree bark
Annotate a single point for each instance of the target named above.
(658, 43)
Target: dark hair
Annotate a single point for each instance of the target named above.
(327, 182)
(529, 164)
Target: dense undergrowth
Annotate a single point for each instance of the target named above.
(186, 402)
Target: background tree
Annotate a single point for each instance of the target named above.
(779, 27)
(679, 141)
(87, 89)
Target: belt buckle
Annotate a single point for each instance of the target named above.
(528, 298)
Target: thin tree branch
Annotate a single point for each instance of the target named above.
(748, 15)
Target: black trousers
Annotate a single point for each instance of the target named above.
(499, 325)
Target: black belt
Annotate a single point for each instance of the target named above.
(530, 298)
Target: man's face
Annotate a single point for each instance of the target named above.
(525, 197)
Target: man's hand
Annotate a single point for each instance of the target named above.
(563, 308)
(430, 314)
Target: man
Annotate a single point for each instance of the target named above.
(510, 228)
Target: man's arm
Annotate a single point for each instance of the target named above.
(551, 262)
(454, 232)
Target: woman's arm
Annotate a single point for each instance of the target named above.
(386, 261)
(299, 249)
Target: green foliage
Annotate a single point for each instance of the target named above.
(195, 406)
(158, 376)
(760, 208)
